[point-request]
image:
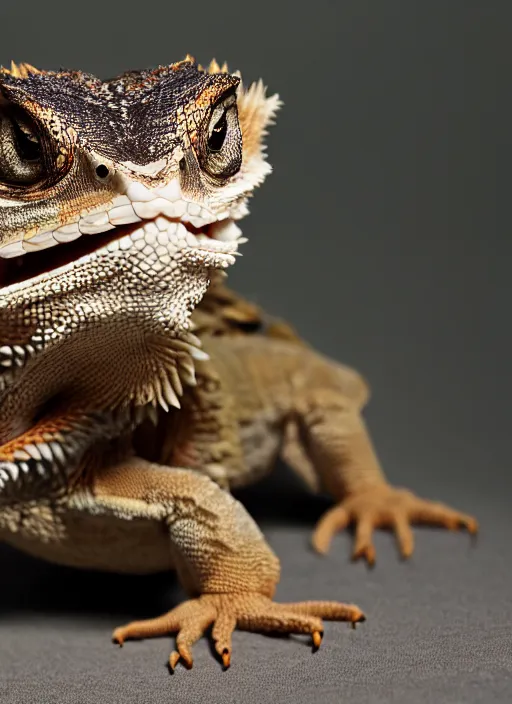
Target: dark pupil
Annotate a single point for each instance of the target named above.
(218, 134)
(28, 149)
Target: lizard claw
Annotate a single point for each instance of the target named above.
(317, 639)
(174, 659)
(250, 611)
(117, 637)
(226, 658)
(384, 506)
(366, 551)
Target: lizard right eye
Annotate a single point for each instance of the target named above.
(27, 142)
(21, 158)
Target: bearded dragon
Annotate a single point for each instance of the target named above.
(130, 401)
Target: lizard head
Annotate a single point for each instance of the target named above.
(118, 201)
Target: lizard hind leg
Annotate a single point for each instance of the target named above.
(340, 451)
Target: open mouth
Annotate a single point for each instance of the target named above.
(220, 237)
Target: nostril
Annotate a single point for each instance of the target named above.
(102, 171)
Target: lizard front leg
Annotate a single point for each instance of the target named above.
(335, 439)
(221, 558)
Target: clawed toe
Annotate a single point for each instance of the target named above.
(383, 506)
(252, 612)
(317, 637)
(367, 552)
(117, 638)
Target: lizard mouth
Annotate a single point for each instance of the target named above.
(217, 241)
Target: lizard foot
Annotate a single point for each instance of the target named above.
(250, 612)
(385, 506)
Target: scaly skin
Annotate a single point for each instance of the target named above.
(96, 342)
(257, 397)
(291, 401)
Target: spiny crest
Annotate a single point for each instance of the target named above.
(212, 68)
(256, 113)
(215, 68)
(20, 70)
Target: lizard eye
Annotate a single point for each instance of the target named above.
(27, 142)
(218, 134)
(20, 149)
(221, 152)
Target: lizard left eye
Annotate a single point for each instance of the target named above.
(221, 151)
(218, 134)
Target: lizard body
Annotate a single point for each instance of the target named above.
(121, 429)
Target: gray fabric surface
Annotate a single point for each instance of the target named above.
(438, 628)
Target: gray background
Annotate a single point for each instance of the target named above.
(383, 236)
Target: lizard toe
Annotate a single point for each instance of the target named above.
(247, 611)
